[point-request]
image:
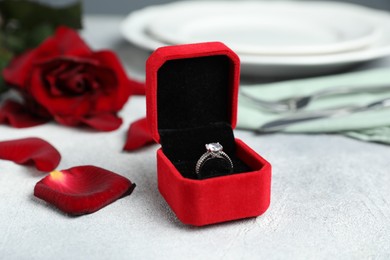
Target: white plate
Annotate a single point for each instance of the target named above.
(134, 29)
(264, 29)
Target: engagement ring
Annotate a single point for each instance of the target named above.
(214, 151)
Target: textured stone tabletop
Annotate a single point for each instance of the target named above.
(330, 196)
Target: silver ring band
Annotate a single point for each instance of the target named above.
(214, 150)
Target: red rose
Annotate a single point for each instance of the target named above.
(65, 80)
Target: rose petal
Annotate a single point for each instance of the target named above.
(103, 122)
(138, 135)
(83, 189)
(15, 74)
(31, 150)
(64, 42)
(123, 88)
(67, 42)
(18, 116)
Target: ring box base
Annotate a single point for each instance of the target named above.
(217, 199)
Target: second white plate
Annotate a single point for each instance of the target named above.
(265, 29)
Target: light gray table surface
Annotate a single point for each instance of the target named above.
(330, 195)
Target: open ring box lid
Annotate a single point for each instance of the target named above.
(191, 101)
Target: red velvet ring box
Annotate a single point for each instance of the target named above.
(191, 101)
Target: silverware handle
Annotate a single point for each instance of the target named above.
(351, 90)
(269, 105)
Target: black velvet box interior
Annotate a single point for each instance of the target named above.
(194, 108)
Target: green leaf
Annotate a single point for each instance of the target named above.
(5, 57)
(29, 14)
(15, 42)
(26, 24)
(3, 86)
(38, 33)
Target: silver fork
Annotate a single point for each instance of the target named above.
(282, 123)
(300, 102)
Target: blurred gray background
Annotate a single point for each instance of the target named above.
(123, 7)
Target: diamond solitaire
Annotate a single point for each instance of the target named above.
(214, 147)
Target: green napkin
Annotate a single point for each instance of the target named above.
(373, 125)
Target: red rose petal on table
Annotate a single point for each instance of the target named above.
(18, 116)
(31, 150)
(138, 135)
(83, 189)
